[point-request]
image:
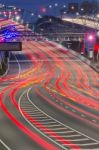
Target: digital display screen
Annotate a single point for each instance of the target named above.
(10, 46)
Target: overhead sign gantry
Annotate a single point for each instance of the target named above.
(10, 46)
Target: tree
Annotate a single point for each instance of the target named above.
(89, 7)
(94, 6)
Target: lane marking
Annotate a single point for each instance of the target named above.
(55, 125)
(45, 60)
(85, 144)
(19, 104)
(77, 140)
(68, 136)
(4, 145)
(41, 120)
(80, 134)
(59, 129)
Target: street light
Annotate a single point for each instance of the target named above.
(15, 12)
(17, 18)
(90, 41)
(90, 37)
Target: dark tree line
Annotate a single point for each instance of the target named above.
(86, 7)
(89, 6)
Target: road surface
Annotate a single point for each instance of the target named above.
(49, 100)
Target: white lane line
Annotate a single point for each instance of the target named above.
(28, 108)
(50, 60)
(29, 111)
(48, 123)
(33, 111)
(68, 136)
(69, 131)
(19, 104)
(83, 139)
(85, 144)
(61, 132)
(41, 120)
(13, 61)
(58, 129)
(55, 125)
(4, 145)
(44, 113)
(38, 115)
(80, 134)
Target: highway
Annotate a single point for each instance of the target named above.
(49, 100)
(85, 22)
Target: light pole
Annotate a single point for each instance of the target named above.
(91, 39)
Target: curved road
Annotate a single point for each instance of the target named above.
(49, 99)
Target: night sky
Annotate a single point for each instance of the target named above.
(35, 4)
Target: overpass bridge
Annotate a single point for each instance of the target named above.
(68, 36)
(94, 24)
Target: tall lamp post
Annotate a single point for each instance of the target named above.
(89, 43)
(91, 39)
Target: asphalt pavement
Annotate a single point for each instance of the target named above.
(49, 100)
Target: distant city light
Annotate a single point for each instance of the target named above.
(15, 12)
(50, 6)
(97, 15)
(4, 12)
(82, 9)
(50, 20)
(56, 4)
(19, 9)
(43, 9)
(90, 37)
(17, 18)
(72, 7)
(27, 25)
(10, 12)
(32, 14)
(65, 12)
(22, 21)
(14, 8)
(39, 16)
(77, 13)
(64, 6)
